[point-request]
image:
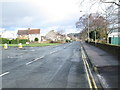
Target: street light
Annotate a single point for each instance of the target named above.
(88, 9)
(88, 26)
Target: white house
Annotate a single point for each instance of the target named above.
(30, 34)
(55, 36)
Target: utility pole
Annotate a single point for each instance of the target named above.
(95, 36)
(88, 29)
(88, 20)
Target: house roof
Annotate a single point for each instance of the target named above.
(29, 31)
(34, 31)
(22, 32)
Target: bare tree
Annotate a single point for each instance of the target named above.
(95, 22)
(116, 2)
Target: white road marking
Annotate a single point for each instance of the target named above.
(21, 53)
(103, 81)
(32, 50)
(34, 60)
(53, 52)
(41, 57)
(4, 74)
(11, 57)
(64, 47)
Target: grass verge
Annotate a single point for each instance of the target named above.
(33, 44)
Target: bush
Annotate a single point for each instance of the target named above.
(68, 41)
(52, 42)
(23, 41)
(13, 41)
(4, 40)
(36, 39)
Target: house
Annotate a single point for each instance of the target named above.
(43, 38)
(67, 37)
(114, 36)
(30, 34)
(55, 36)
(113, 26)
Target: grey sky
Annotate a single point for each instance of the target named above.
(43, 14)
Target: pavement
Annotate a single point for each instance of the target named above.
(104, 64)
(59, 66)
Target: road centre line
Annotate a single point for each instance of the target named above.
(53, 52)
(41, 57)
(11, 57)
(34, 60)
(4, 74)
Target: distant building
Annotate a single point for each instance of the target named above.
(74, 36)
(55, 36)
(30, 34)
(67, 37)
(43, 38)
(114, 36)
(114, 29)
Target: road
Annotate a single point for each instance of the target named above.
(58, 66)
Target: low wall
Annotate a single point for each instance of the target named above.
(112, 49)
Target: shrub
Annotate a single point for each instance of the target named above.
(68, 41)
(4, 40)
(36, 39)
(52, 41)
(23, 41)
(13, 41)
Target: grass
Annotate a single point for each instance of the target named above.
(33, 44)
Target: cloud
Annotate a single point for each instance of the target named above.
(43, 14)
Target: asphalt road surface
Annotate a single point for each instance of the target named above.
(58, 66)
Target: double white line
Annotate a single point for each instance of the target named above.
(88, 71)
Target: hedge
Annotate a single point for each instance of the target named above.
(13, 41)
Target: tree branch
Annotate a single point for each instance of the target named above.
(110, 2)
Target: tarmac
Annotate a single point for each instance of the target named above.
(104, 64)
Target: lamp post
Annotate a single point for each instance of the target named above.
(95, 36)
(87, 27)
